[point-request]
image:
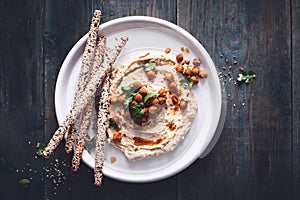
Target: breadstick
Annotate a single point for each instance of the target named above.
(102, 123)
(87, 59)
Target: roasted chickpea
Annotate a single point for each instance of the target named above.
(146, 111)
(121, 98)
(150, 75)
(113, 99)
(175, 100)
(173, 85)
(143, 91)
(179, 68)
(162, 92)
(133, 103)
(202, 73)
(154, 101)
(162, 100)
(137, 84)
(138, 97)
(169, 76)
(195, 71)
(183, 105)
(117, 136)
(195, 79)
(188, 71)
(196, 62)
(179, 58)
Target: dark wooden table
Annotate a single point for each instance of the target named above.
(258, 153)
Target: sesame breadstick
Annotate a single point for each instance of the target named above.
(87, 113)
(87, 96)
(102, 123)
(87, 60)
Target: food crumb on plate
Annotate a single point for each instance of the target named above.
(113, 159)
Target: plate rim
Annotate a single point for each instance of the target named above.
(199, 46)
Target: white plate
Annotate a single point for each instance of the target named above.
(148, 34)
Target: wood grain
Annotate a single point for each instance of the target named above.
(258, 153)
(247, 162)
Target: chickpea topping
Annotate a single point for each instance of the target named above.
(179, 68)
(188, 71)
(202, 73)
(137, 84)
(146, 111)
(138, 97)
(195, 79)
(143, 91)
(117, 136)
(162, 92)
(196, 61)
(179, 58)
(150, 75)
(154, 101)
(173, 85)
(183, 105)
(167, 50)
(169, 76)
(186, 62)
(121, 98)
(133, 103)
(113, 99)
(175, 100)
(195, 71)
(162, 100)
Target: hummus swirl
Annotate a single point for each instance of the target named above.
(162, 130)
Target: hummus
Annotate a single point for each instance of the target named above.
(150, 111)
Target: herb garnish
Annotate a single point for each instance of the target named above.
(150, 95)
(130, 91)
(186, 82)
(40, 147)
(24, 182)
(247, 77)
(138, 110)
(148, 66)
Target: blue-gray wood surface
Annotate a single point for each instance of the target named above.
(258, 153)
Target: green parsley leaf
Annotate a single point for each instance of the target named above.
(148, 66)
(24, 182)
(247, 77)
(186, 82)
(40, 147)
(129, 89)
(138, 110)
(150, 95)
(127, 100)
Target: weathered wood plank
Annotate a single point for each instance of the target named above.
(252, 159)
(296, 96)
(21, 98)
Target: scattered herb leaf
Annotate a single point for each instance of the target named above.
(138, 110)
(247, 77)
(186, 82)
(40, 147)
(24, 182)
(148, 66)
(129, 89)
(150, 95)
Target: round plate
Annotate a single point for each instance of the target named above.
(148, 35)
